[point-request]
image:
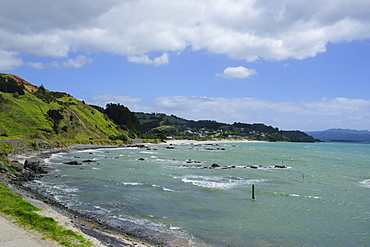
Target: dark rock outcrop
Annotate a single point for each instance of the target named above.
(216, 166)
(17, 166)
(75, 163)
(88, 161)
(33, 164)
(3, 167)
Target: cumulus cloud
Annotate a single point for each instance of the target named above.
(134, 103)
(323, 114)
(344, 112)
(158, 61)
(78, 62)
(9, 60)
(246, 30)
(237, 72)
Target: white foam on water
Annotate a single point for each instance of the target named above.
(130, 183)
(218, 182)
(90, 151)
(163, 188)
(159, 227)
(148, 152)
(365, 183)
(52, 159)
(169, 190)
(65, 188)
(101, 209)
(315, 197)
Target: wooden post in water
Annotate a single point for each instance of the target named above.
(253, 192)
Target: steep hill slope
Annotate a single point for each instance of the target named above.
(26, 113)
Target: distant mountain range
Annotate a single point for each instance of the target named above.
(341, 135)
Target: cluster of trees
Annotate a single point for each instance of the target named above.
(50, 96)
(162, 126)
(55, 116)
(9, 85)
(123, 118)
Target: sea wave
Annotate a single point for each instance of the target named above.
(143, 225)
(366, 183)
(218, 182)
(131, 183)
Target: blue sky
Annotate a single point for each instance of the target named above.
(291, 65)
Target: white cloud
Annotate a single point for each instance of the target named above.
(237, 72)
(134, 103)
(140, 59)
(37, 65)
(9, 60)
(245, 30)
(158, 61)
(78, 62)
(162, 60)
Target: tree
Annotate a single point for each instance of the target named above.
(56, 117)
(122, 116)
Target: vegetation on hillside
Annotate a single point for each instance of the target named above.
(31, 112)
(10, 85)
(123, 118)
(163, 126)
(42, 114)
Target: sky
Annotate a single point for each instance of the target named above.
(295, 65)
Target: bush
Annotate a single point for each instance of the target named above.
(119, 137)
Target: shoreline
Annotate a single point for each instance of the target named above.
(98, 233)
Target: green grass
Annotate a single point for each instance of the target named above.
(23, 213)
(5, 148)
(32, 144)
(24, 117)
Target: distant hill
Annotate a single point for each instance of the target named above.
(163, 126)
(32, 112)
(341, 135)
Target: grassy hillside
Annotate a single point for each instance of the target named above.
(24, 114)
(163, 126)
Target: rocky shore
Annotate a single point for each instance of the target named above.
(26, 165)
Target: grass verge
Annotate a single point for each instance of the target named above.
(23, 213)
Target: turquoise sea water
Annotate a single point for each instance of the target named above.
(321, 199)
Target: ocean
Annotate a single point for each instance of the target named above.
(306, 194)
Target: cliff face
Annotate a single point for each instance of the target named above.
(24, 114)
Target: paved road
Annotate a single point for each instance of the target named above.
(14, 236)
(37, 140)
